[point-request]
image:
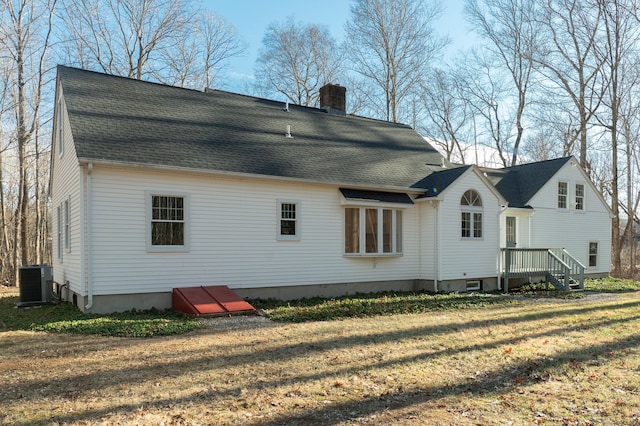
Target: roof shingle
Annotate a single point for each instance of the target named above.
(118, 119)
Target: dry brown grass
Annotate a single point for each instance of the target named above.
(557, 362)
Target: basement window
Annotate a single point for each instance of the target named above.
(474, 285)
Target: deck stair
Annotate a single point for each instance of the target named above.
(559, 268)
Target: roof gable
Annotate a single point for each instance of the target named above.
(519, 184)
(437, 183)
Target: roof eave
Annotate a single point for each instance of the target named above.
(353, 185)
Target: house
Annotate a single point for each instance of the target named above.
(156, 187)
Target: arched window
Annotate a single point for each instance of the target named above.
(471, 214)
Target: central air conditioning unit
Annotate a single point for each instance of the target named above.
(36, 285)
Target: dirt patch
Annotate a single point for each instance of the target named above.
(573, 362)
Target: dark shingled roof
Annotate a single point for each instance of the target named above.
(518, 184)
(438, 181)
(387, 197)
(122, 120)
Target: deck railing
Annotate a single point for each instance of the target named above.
(557, 265)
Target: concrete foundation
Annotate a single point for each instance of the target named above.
(162, 300)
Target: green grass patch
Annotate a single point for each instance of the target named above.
(375, 304)
(611, 285)
(66, 318)
(546, 291)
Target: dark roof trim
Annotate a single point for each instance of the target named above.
(384, 197)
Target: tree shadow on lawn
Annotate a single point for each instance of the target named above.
(493, 380)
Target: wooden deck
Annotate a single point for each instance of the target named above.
(556, 265)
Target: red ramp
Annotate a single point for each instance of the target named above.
(209, 300)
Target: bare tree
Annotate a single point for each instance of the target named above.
(296, 60)
(26, 34)
(200, 54)
(449, 115)
(618, 55)
(220, 42)
(566, 57)
(392, 43)
(125, 37)
(6, 258)
(484, 88)
(510, 33)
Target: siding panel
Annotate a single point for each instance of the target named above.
(66, 185)
(233, 225)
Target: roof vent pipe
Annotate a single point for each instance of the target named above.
(288, 134)
(442, 164)
(286, 106)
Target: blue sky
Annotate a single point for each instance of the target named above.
(251, 18)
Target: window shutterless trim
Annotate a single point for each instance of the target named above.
(372, 231)
(292, 216)
(562, 198)
(471, 216)
(67, 224)
(186, 205)
(592, 254)
(581, 197)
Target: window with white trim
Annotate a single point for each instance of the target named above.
(67, 225)
(563, 193)
(59, 229)
(289, 220)
(580, 196)
(593, 254)
(471, 210)
(372, 231)
(167, 222)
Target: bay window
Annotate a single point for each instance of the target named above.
(372, 231)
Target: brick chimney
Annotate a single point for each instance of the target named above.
(333, 98)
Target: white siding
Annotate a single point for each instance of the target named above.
(570, 229)
(233, 225)
(462, 259)
(428, 241)
(65, 185)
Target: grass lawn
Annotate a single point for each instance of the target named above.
(524, 360)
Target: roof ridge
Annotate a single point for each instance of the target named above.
(122, 77)
(560, 159)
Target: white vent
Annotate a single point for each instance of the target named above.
(288, 134)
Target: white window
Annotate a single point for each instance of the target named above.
(372, 231)
(474, 285)
(563, 192)
(579, 196)
(471, 215)
(593, 254)
(60, 127)
(59, 229)
(67, 225)
(289, 220)
(167, 222)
